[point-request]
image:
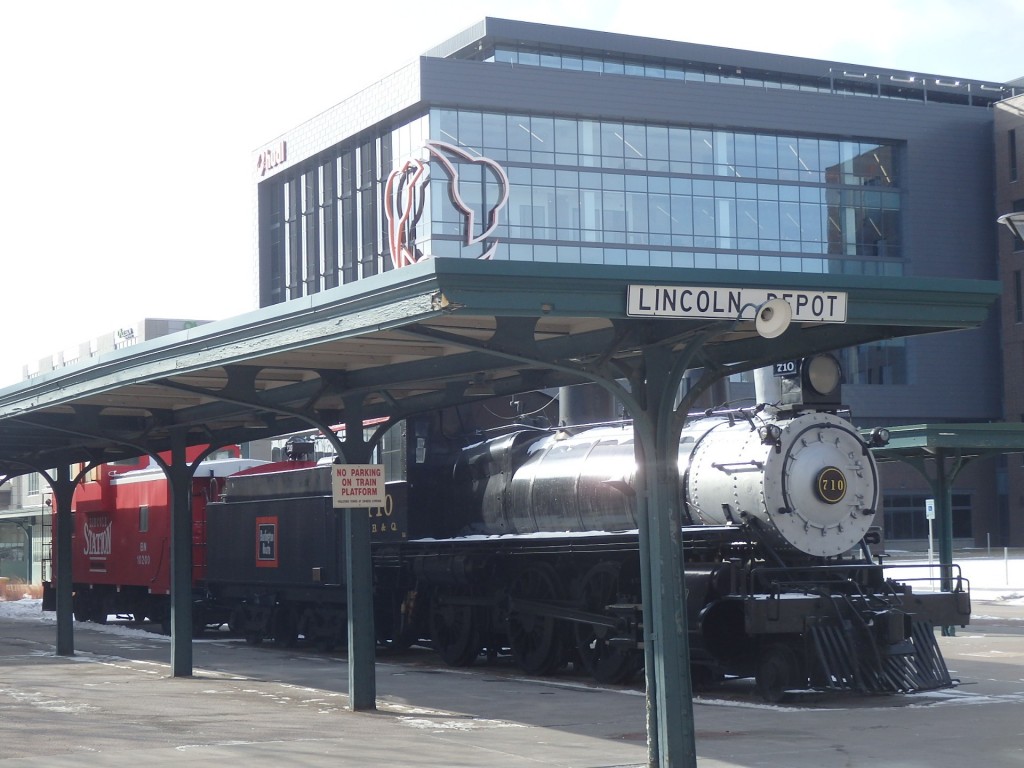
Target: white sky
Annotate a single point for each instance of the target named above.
(127, 128)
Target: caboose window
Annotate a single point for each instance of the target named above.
(144, 519)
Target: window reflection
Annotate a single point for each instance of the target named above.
(802, 196)
(883, 362)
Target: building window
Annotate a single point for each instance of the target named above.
(883, 362)
(32, 484)
(393, 449)
(681, 189)
(272, 247)
(347, 229)
(312, 270)
(1018, 243)
(328, 234)
(610, 64)
(1018, 298)
(368, 192)
(905, 516)
(1012, 153)
(293, 238)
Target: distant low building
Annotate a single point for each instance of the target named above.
(25, 500)
(125, 336)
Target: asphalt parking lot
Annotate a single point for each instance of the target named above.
(113, 704)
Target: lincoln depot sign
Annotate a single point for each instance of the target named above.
(358, 485)
(731, 303)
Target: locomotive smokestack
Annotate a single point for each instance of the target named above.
(767, 386)
(585, 404)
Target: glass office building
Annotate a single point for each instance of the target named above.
(536, 143)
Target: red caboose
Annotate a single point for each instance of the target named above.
(121, 550)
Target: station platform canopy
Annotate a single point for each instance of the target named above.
(939, 452)
(436, 334)
(415, 339)
(927, 441)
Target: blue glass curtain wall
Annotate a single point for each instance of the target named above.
(619, 193)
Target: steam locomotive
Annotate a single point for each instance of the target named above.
(523, 541)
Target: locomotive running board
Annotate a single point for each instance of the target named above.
(845, 664)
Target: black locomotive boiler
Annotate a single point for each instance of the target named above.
(525, 543)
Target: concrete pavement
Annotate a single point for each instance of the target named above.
(113, 704)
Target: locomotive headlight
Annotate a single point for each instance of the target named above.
(769, 434)
(822, 373)
(816, 383)
(879, 437)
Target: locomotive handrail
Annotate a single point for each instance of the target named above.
(955, 574)
(853, 566)
(846, 570)
(753, 464)
(775, 588)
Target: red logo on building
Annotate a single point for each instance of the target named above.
(271, 157)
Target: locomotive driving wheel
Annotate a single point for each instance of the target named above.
(453, 630)
(778, 669)
(397, 621)
(537, 641)
(602, 660)
(82, 605)
(285, 626)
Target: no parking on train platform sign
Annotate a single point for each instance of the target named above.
(358, 485)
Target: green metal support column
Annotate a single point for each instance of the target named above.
(179, 477)
(944, 515)
(63, 493)
(941, 484)
(646, 597)
(658, 500)
(362, 676)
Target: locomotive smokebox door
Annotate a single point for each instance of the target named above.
(813, 486)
